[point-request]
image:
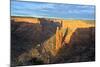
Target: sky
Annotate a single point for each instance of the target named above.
(52, 10)
(85, 2)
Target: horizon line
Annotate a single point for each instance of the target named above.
(50, 17)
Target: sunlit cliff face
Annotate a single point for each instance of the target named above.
(72, 25)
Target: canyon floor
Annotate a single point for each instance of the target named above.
(36, 41)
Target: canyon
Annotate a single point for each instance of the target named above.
(48, 41)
